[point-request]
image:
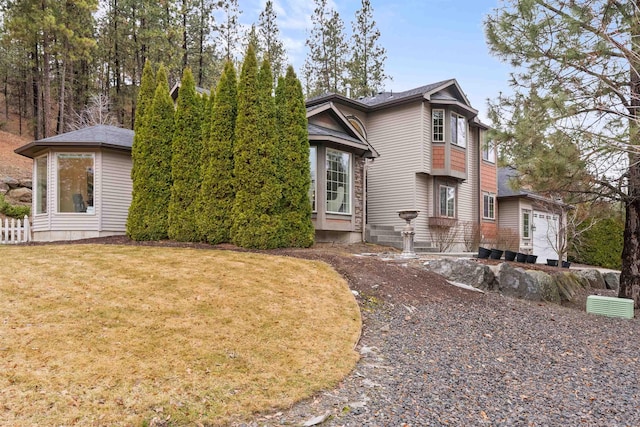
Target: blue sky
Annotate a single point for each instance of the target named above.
(426, 41)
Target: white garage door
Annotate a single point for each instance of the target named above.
(545, 235)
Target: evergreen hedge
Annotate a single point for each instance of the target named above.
(185, 160)
(601, 245)
(256, 223)
(217, 194)
(294, 171)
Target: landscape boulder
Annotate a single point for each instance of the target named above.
(10, 182)
(4, 188)
(26, 182)
(593, 277)
(464, 271)
(517, 283)
(547, 289)
(20, 195)
(612, 279)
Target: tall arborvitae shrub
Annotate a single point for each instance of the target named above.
(217, 191)
(185, 162)
(294, 171)
(139, 150)
(154, 188)
(256, 222)
(207, 113)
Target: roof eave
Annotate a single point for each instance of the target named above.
(32, 149)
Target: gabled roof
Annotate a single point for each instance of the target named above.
(430, 92)
(506, 175)
(103, 136)
(176, 87)
(348, 136)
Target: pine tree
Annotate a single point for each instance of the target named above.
(153, 184)
(255, 217)
(366, 66)
(229, 29)
(185, 162)
(270, 43)
(217, 195)
(139, 150)
(297, 228)
(326, 60)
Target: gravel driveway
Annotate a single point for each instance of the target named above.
(471, 359)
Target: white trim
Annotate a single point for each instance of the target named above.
(57, 182)
(485, 196)
(455, 195)
(36, 191)
(350, 183)
(433, 133)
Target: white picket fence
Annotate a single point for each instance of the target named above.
(15, 231)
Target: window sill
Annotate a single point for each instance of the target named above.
(337, 213)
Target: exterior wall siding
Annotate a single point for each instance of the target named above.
(116, 191)
(458, 160)
(397, 136)
(438, 156)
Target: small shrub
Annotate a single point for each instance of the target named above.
(508, 239)
(13, 211)
(472, 236)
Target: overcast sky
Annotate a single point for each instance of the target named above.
(426, 41)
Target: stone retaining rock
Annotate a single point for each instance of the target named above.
(464, 271)
(593, 277)
(21, 195)
(612, 280)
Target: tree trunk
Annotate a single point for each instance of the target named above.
(630, 276)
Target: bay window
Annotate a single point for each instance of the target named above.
(458, 130)
(313, 161)
(41, 185)
(75, 183)
(447, 201)
(338, 167)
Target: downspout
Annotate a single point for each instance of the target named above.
(364, 200)
(479, 181)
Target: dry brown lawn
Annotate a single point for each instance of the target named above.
(128, 335)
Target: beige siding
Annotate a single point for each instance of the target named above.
(424, 202)
(116, 191)
(396, 135)
(426, 138)
(509, 214)
(42, 222)
(474, 173)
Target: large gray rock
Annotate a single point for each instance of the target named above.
(464, 271)
(26, 182)
(612, 279)
(11, 182)
(593, 277)
(517, 283)
(22, 195)
(547, 289)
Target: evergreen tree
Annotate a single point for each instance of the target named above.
(366, 66)
(207, 114)
(326, 60)
(577, 65)
(153, 184)
(229, 29)
(139, 151)
(269, 37)
(256, 222)
(185, 162)
(217, 195)
(294, 171)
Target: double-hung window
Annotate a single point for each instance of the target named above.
(437, 121)
(447, 201)
(458, 130)
(338, 165)
(489, 206)
(75, 183)
(489, 151)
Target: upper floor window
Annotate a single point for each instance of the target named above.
(458, 130)
(489, 206)
(437, 120)
(447, 201)
(489, 151)
(75, 183)
(338, 181)
(41, 185)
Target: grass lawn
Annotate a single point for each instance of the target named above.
(123, 335)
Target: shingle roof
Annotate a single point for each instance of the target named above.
(383, 97)
(323, 131)
(93, 136)
(505, 175)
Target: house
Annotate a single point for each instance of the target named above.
(539, 222)
(433, 157)
(82, 180)
(81, 183)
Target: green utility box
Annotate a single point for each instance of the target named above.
(610, 306)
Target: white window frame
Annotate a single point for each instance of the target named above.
(40, 191)
(446, 213)
(526, 225)
(349, 185)
(488, 206)
(90, 210)
(489, 151)
(437, 136)
(458, 124)
(313, 189)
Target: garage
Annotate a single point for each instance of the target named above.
(545, 230)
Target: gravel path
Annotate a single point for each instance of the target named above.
(483, 360)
